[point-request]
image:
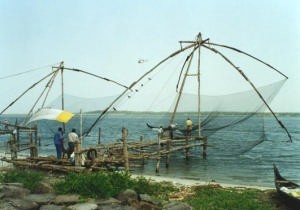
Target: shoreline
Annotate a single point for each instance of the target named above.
(189, 182)
(180, 182)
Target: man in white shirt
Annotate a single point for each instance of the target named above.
(72, 137)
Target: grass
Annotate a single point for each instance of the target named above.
(217, 198)
(106, 184)
(29, 178)
(110, 184)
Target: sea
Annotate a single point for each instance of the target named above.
(251, 168)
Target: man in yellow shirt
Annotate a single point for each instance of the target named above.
(189, 127)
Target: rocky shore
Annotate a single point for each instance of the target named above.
(13, 196)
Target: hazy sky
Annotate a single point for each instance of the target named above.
(108, 37)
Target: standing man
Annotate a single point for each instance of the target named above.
(189, 127)
(58, 141)
(72, 137)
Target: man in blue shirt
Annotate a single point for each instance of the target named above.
(58, 141)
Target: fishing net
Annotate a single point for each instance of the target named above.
(225, 94)
(232, 112)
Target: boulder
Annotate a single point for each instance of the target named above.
(52, 207)
(176, 205)
(22, 204)
(128, 196)
(40, 199)
(83, 206)
(65, 199)
(13, 190)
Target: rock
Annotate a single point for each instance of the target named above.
(52, 207)
(40, 199)
(108, 201)
(65, 199)
(84, 206)
(128, 196)
(22, 204)
(176, 205)
(44, 187)
(7, 206)
(116, 207)
(14, 190)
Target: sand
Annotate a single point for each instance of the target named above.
(189, 182)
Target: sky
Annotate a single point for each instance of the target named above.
(108, 38)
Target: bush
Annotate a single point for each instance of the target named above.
(209, 197)
(107, 184)
(90, 185)
(30, 179)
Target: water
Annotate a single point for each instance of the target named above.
(253, 167)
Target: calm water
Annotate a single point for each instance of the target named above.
(253, 167)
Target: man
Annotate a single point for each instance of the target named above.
(189, 127)
(58, 141)
(72, 137)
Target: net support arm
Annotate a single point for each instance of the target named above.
(253, 86)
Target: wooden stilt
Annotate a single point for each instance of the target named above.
(13, 148)
(125, 151)
(141, 149)
(204, 149)
(187, 149)
(77, 148)
(158, 153)
(168, 153)
(99, 136)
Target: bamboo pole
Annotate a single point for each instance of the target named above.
(99, 136)
(125, 151)
(142, 150)
(199, 40)
(204, 153)
(158, 153)
(77, 148)
(190, 57)
(168, 151)
(187, 152)
(13, 148)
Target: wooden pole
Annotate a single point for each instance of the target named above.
(168, 154)
(13, 148)
(77, 148)
(141, 149)
(99, 136)
(199, 41)
(125, 151)
(182, 85)
(187, 150)
(204, 153)
(61, 66)
(158, 153)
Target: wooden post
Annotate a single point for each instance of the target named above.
(204, 148)
(158, 153)
(77, 148)
(187, 150)
(31, 145)
(99, 136)
(168, 155)
(125, 151)
(35, 134)
(18, 137)
(141, 149)
(13, 148)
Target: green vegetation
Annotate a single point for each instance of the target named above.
(216, 198)
(29, 178)
(106, 184)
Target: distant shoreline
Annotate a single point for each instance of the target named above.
(163, 113)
